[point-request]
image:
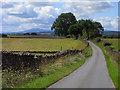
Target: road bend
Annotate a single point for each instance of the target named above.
(92, 74)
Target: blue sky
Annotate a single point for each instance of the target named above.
(21, 16)
(112, 12)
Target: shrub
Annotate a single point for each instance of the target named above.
(68, 36)
(98, 39)
(107, 44)
(3, 35)
(33, 33)
(118, 50)
(27, 34)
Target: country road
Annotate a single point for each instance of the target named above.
(92, 74)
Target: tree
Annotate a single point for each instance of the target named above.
(91, 28)
(75, 30)
(87, 25)
(62, 23)
(33, 33)
(4, 35)
(97, 30)
(98, 27)
(27, 34)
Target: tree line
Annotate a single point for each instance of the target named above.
(66, 24)
(30, 34)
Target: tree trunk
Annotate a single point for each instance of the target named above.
(88, 35)
(76, 37)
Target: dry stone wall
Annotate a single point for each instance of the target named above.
(17, 60)
(22, 59)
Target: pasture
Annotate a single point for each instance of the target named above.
(39, 44)
(115, 43)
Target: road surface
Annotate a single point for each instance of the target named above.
(92, 74)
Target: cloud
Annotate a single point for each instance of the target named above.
(41, 4)
(86, 8)
(47, 12)
(22, 10)
(108, 22)
(6, 5)
(25, 16)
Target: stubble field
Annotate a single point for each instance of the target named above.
(38, 44)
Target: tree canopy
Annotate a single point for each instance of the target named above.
(75, 29)
(66, 24)
(91, 28)
(62, 23)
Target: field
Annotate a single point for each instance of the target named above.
(41, 35)
(114, 43)
(38, 44)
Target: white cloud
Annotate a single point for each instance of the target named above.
(23, 16)
(108, 23)
(85, 9)
(47, 12)
(41, 4)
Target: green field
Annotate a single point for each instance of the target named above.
(114, 43)
(42, 35)
(38, 44)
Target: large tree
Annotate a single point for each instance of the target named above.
(62, 23)
(98, 27)
(92, 28)
(75, 30)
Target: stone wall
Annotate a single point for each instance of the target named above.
(18, 60)
(21, 59)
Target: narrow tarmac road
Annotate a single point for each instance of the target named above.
(92, 74)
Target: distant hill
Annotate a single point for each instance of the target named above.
(111, 32)
(51, 32)
(39, 32)
(36, 30)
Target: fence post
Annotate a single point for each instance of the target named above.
(44, 54)
(72, 47)
(61, 48)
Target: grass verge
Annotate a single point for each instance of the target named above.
(112, 67)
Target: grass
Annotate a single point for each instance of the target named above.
(43, 54)
(112, 67)
(48, 79)
(42, 35)
(37, 44)
(114, 45)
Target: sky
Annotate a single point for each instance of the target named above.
(25, 15)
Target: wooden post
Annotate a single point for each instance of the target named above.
(61, 48)
(72, 47)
